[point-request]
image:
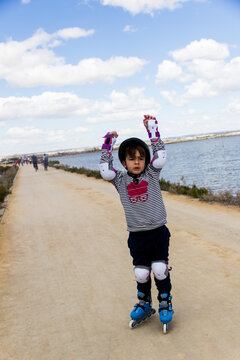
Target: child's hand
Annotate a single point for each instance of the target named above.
(110, 139)
(146, 118)
(152, 127)
(113, 133)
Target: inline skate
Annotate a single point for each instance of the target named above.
(142, 310)
(165, 310)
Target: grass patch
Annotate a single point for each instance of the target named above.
(202, 193)
(3, 193)
(177, 188)
(223, 197)
(8, 174)
(83, 171)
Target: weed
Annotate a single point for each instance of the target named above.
(201, 193)
(8, 174)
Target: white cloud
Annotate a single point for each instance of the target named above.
(85, 3)
(200, 89)
(228, 78)
(73, 33)
(173, 98)
(46, 105)
(145, 6)
(23, 133)
(125, 107)
(25, 1)
(80, 130)
(131, 131)
(190, 112)
(56, 105)
(203, 49)
(130, 28)
(33, 63)
(234, 106)
(168, 70)
(33, 139)
(86, 71)
(204, 68)
(33, 133)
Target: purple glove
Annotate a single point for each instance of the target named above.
(109, 142)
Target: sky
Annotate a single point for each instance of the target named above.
(72, 70)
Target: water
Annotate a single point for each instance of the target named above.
(211, 163)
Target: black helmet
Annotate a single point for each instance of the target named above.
(133, 142)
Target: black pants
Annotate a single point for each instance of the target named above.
(147, 247)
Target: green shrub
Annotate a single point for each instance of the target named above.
(6, 180)
(201, 193)
(53, 162)
(223, 197)
(177, 188)
(3, 193)
(4, 169)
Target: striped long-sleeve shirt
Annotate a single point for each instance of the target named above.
(143, 204)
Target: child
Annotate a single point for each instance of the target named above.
(145, 213)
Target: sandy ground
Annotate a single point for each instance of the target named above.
(67, 284)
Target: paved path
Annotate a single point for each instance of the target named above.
(67, 285)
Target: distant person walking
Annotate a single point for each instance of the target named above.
(45, 161)
(35, 162)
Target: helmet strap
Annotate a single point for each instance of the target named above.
(135, 177)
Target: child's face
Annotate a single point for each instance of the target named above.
(135, 164)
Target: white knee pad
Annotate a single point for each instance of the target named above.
(160, 270)
(141, 274)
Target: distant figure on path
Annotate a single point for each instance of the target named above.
(45, 162)
(35, 162)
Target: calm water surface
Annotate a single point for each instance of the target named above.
(212, 163)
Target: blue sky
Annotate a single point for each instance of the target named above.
(71, 70)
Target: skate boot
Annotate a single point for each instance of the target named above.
(165, 310)
(142, 311)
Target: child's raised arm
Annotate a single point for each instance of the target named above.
(159, 153)
(106, 167)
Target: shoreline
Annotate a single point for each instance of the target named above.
(201, 193)
(166, 141)
(179, 197)
(96, 149)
